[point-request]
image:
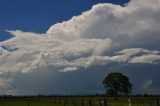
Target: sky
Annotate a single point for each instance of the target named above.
(68, 47)
(39, 15)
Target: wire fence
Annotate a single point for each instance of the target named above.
(81, 101)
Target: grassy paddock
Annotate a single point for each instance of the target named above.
(80, 101)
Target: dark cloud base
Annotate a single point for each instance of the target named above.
(85, 81)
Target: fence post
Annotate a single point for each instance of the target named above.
(90, 102)
(74, 102)
(28, 103)
(129, 102)
(55, 101)
(82, 102)
(59, 101)
(105, 102)
(65, 101)
(158, 104)
(100, 103)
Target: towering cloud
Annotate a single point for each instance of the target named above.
(103, 35)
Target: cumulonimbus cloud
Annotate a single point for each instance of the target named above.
(105, 34)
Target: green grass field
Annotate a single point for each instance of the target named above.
(79, 101)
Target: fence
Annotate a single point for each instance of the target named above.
(81, 101)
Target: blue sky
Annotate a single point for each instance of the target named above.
(68, 47)
(39, 15)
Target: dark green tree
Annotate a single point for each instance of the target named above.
(117, 84)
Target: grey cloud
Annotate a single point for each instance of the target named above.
(147, 83)
(137, 22)
(68, 69)
(103, 35)
(146, 59)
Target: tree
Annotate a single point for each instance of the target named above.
(117, 84)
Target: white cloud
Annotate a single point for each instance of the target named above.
(105, 34)
(34, 53)
(147, 83)
(68, 69)
(149, 58)
(137, 55)
(6, 85)
(103, 29)
(137, 22)
(125, 56)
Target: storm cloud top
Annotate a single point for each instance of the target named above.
(104, 35)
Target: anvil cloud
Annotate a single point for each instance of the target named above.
(105, 34)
